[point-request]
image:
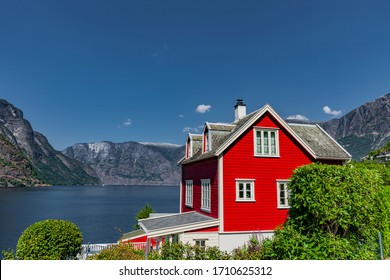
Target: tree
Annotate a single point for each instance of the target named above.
(49, 240)
(143, 214)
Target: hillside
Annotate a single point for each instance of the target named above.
(363, 129)
(130, 163)
(29, 159)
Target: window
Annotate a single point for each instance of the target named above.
(206, 197)
(266, 142)
(200, 243)
(189, 193)
(283, 194)
(245, 190)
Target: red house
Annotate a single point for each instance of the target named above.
(235, 178)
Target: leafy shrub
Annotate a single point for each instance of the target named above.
(336, 213)
(180, 251)
(120, 252)
(385, 226)
(8, 255)
(49, 240)
(290, 244)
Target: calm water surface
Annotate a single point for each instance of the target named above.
(99, 212)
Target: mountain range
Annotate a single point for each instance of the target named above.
(363, 129)
(27, 158)
(130, 163)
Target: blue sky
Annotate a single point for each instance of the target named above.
(87, 71)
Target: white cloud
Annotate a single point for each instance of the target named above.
(329, 111)
(127, 122)
(203, 108)
(181, 116)
(189, 129)
(298, 117)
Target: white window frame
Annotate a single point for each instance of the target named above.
(286, 194)
(201, 243)
(266, 148)
(242, 193)
(189, 193)
(205, 195)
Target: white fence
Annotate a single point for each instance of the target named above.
(92, 249)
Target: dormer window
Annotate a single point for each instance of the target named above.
(193, 144)
(266, 142)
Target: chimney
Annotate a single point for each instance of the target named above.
(239, 110)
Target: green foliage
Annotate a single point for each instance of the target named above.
(49, 240)
(290, 244)
(340, 200)
(385, 226)
(143, 214)
(383, 168)
(180, 251)
(336, 213)
(120, 252)
(8, 255)
(255, 249)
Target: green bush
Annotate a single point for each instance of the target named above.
(290, 244)
(336, 213)
(8, 255)
(385, 226)
(180, 251)
(120, 252)
(49, 240)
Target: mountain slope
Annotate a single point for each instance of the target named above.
(363, 129)
(49, 165)
(15, 168)
(130, 163)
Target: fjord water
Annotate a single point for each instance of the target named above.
(100, 212)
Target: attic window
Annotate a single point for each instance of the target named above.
(266, 142)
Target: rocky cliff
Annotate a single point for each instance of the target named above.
(130, 163)
(29, 159)
(363, 129)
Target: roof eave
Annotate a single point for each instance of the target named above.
(334, 158)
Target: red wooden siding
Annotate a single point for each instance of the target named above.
(240, 163)
(207, 169)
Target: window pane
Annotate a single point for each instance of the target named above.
(248, 191)
(258, 142)
(266, 144)
(282, 198)
(273, 142)
(241, 190)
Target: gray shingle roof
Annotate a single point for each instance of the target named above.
(324, 146)
(132, 234)
(320, 144)
(175, 222)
